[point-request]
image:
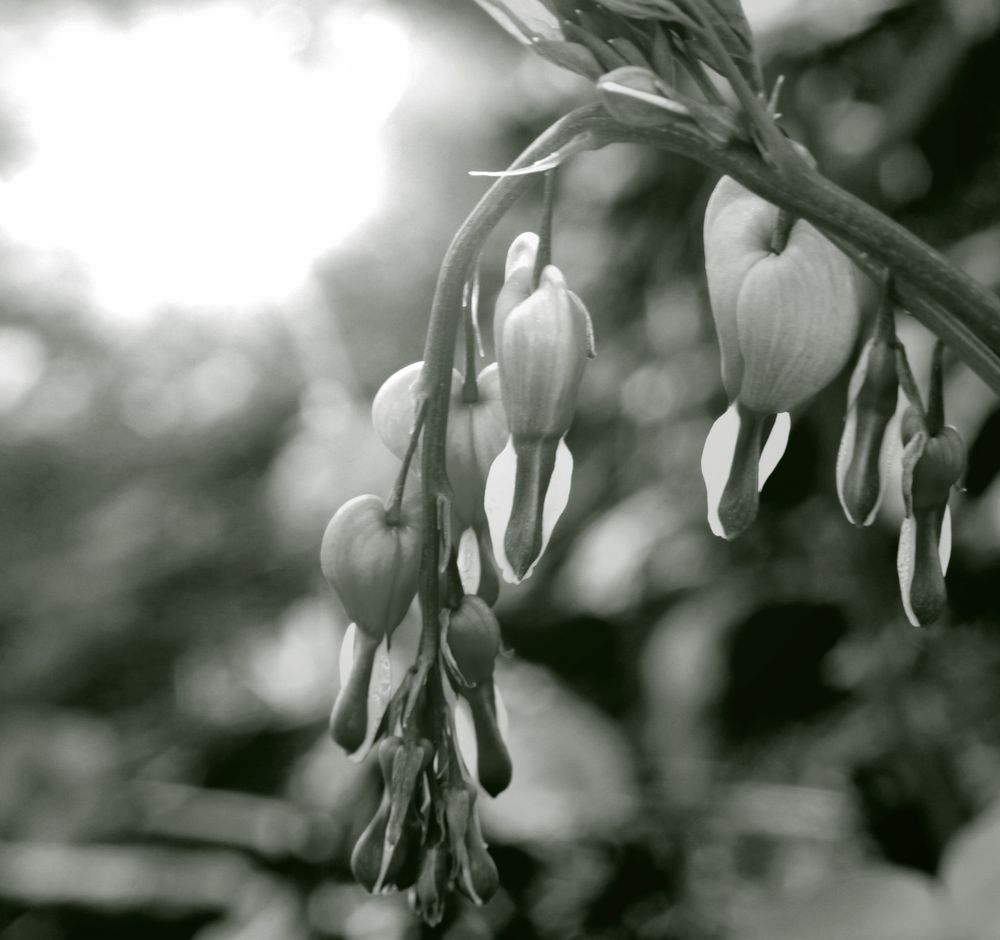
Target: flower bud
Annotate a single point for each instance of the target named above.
(542, 347)
(932, 464)
(541, 355)
(518, 284)
(430, 893)
(373, 563)
(786, 321)
(378, 869)
(473, 640)
(477, 874)
(403, 764)
(864, 445)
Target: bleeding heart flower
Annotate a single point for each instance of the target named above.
(543, 340)
(932, 464)
(787, 318)
(372, 562)
(865, 445)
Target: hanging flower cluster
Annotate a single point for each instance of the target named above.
(497, 469)
(439, 733)
(786, 312)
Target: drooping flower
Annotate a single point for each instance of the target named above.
(543, 340)
(932, 464)
(786, 312)
(865, 444)
(372, 561)
(472, 643)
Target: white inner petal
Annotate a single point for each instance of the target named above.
(944, 547)
(859, 373)
(503, 721)
(717, 462)
(845, 454)
(379, 693)
(498, 502)
(465, 735)
(905, 561)
(557, 495)
(774, 449)
(469, 564)
(379, 689)
(347, 653)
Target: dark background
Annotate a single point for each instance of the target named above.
(710, 740)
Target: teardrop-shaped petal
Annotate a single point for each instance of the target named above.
(499, 503)
(365, 690)
(466, 737)
(921, 561)
(735, 470)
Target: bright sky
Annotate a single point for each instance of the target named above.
(201, 155)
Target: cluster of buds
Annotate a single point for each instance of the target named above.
(439, 734)
(786, 310)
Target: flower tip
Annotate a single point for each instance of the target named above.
(520, 529)
(521, 253)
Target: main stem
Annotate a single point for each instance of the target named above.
(439, 351)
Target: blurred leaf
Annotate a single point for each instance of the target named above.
(573, 774)
(971, 873)
(876, 903)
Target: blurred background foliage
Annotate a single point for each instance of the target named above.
(220, 224)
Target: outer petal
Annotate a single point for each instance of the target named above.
(394, 409)
(469, 562)
(465, 728)
(906, 561)
(797, 321)
(499, 503)
(738, 228)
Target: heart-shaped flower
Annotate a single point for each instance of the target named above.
(786, 311)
